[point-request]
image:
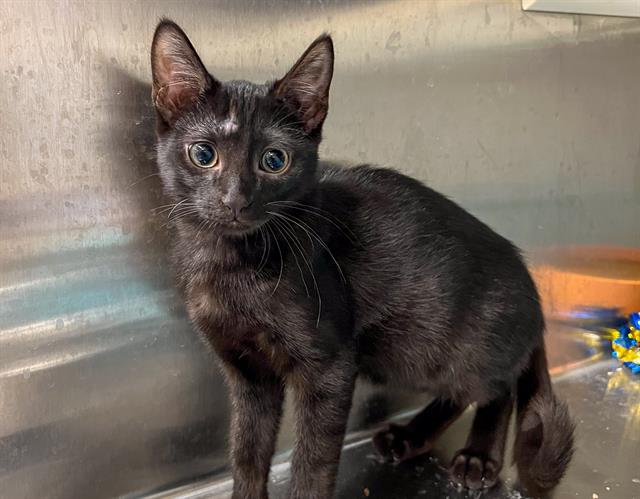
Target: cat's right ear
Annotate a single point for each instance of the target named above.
(179, 77)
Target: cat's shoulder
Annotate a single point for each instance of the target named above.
(361, 173)
(377, 181)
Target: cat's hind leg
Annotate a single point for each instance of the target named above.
(478, 465)
(402, 442)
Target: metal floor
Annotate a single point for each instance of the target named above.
(604, 400)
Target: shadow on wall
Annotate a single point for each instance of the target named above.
(130, 142)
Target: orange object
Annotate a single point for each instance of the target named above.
(598, 276)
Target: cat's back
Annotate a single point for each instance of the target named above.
(413, 233)
(409, 234)
(403, 206)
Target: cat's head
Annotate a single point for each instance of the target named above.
(228, 149)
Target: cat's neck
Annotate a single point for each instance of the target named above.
(214, 249)
(295, 227)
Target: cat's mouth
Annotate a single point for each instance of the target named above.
(238, 227)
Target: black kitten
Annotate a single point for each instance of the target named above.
(309, 274)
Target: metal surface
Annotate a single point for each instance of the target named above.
(629, 8)
(604, 399)
(530, 120)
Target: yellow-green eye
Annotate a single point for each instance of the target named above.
(203, 154)
(274, 161)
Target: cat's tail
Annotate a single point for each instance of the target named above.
(544, 438)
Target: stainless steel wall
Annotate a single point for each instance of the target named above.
(530, 120)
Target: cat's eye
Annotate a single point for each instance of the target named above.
(274, 161)
(203, 154)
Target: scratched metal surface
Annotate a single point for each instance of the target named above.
(530, 120)
(605, 402)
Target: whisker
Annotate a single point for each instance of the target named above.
(201, 225)
(186, 210)
(215, 249)
(313, 277)
(308, 209)
(143, 178)
(180, 215)
(263, 258)
(298, 222)
(298, 203)
(176, 218)
(284, 234)
(281, 261)
(163, 207)
(184, 200)
(176, 205)
(166, 207)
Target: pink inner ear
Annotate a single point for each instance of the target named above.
(312, 106)
(306, 85)
(315, 115)
(176, 95)
(176, 87)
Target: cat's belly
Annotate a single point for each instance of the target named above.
(452, 382)
(422, 360)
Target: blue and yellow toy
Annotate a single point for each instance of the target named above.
(626, 343)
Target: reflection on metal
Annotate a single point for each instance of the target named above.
(576, 366)
(604, 401)
(104, 389)
(622, 383)
(627, 8)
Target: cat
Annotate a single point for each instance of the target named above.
(308, 274)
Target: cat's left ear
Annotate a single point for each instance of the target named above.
(179, 77)
(306, 86)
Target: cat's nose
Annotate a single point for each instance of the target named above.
(236, 203)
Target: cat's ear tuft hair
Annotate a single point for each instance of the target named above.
(179, 77)
(306, 86)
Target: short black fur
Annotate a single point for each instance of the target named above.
(322, 273)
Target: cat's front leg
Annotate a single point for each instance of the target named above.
(323, 395)
(255, 418)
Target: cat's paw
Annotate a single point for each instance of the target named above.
(474, 471)
(395, 443)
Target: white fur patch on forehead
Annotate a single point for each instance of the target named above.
(228, 126)
(217, 124)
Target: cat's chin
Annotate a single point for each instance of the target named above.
(239, 229)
